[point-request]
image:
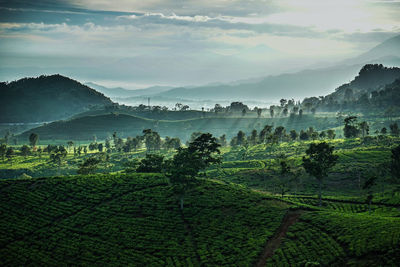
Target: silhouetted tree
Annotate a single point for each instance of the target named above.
(151, 163)
(3, 150)
(187, 162)
(10, 154)
(259, 111)
(394, 129)
(89, 166)
(240, 138)
(293, 135)
(33, 140)
(253, 137)
(364, 127)
(368, 185)
(25, 151)
(331, 134)
(317, 162)
(350, 130)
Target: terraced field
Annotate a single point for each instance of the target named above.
(337, 239)
(132, 219)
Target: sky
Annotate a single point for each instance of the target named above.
(140, 43)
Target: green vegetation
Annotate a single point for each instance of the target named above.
(120, 219)
(233, 186)
(46, 98)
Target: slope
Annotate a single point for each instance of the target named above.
(119, 220)
(46, 98)
(83, 128)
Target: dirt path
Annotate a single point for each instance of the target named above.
(290, 218)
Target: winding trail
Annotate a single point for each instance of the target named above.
(272, 244)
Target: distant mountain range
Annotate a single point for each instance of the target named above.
(120, 92)
(46, 98)
(297, 85)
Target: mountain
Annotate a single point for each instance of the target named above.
(46, 98)
(272, 88)
(119, 92)
(312, 82)
(389, 50)
(375, 87)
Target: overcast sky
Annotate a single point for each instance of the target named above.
(138, 43)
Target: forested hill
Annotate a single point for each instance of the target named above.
(361, 92)
(46, 98)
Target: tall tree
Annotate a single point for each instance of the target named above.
(364, 128)
(350, 130)
(3, 150)
(394, 129)
(253, 137)
(33, 140)
(395, 166)
(187, 162)
(10, 154)
(318, 161)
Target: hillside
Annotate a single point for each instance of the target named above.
(83, 128)
(365, 91)
(122, 219)
(119, 220)
(46, 98)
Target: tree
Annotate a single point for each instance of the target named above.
(350, 130)
(259, 111)
(264, 133)
(152, 140)
(394, 129)
(33, 140)
(395, 165)
(3, 150)
(207, 147)
(368, 185)
(331, 134)
(25, 151)
(10, 154)
(151, 163)
(70, 144)
(304, 135)
(280, 132)
(384, 131)
(240, 138)
(222, 140)
(100, 147)
(187, 162)
(89, 166)
(253, 137)
(271, 112)
(244, 111)
(285, 112)
(364, 127)
(285, 170)
(317, 162)
(283, 102)
(293, 135)
(300, 113)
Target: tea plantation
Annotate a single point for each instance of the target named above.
(132, 220)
